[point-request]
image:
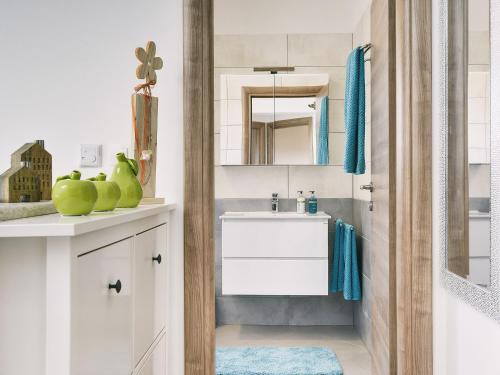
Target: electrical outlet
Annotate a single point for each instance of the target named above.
(91, 156)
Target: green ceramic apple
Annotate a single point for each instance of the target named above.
(72, 196)
(108, 193)
(125, 175)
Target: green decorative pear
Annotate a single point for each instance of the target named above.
(72, 196)
(108, 193)
(125, 175)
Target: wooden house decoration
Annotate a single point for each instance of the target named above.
(19, 184)
(40, 160)
(29, 179)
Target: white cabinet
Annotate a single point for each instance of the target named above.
(156, 363)
(104, 293)
(274, 254)
(150, 288)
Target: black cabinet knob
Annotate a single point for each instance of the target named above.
(157, 259)
(117, 286)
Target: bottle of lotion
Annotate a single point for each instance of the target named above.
(301, 203)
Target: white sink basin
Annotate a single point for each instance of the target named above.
(273, 216)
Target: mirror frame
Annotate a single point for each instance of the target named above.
(482, 299)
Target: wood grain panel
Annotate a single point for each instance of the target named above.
(414, 186)
(458, 163)
(383, 177)
(199, 292)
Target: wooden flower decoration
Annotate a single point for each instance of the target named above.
(149, 63)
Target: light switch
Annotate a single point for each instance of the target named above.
(90, 155)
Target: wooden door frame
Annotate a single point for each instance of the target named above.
(411, 264)
(413, 196)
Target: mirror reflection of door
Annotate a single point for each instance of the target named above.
(278, 119)
(469, 141)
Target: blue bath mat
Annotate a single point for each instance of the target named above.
(276, 361)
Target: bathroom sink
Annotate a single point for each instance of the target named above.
(272, 215)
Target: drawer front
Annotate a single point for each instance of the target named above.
(275, 277)
(103, 316)
(156, 363)
(275, 238)
(150, 288)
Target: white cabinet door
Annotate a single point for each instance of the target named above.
(150, 288)
(156, 364)
(103, 311)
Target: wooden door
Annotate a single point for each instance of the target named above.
(383, 333)
(401, 173)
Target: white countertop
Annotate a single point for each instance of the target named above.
(268, 215)
(56, 225)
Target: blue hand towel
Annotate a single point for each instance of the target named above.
(345, 272)
(322, 149)
(352, 289)
(354, 113)
(337, 252)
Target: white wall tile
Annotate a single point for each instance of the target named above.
(477, 135)
(239, 51)
(305, 79)
(479, 47)
(233, 157)
(336, 75)
(217, 119)
(222, 156)
(220, 93)
(478, 110)
(223, 137)
(477, 84)
(319, 49)
(336, 115)
(336, 145)
(234, 137)
(222, 114)
(236, 82)
(217, 150)
(251, 181)
(327, 181)
(234, 112)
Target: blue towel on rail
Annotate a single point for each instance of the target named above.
(322, 148)
(354, 113)
(345, 271)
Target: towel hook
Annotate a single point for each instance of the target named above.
(366, 47)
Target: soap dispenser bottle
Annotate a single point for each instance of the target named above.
(301, 203)
(313, 204)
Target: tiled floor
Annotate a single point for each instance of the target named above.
(343, 340)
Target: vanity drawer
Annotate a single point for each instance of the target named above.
(275, 276)
(103, 316)
(275, 238)
(150, 261)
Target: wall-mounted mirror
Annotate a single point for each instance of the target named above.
(275, 119)
(469, 142)
(469, 157)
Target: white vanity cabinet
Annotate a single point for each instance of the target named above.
(93, 291)
(274, 254)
